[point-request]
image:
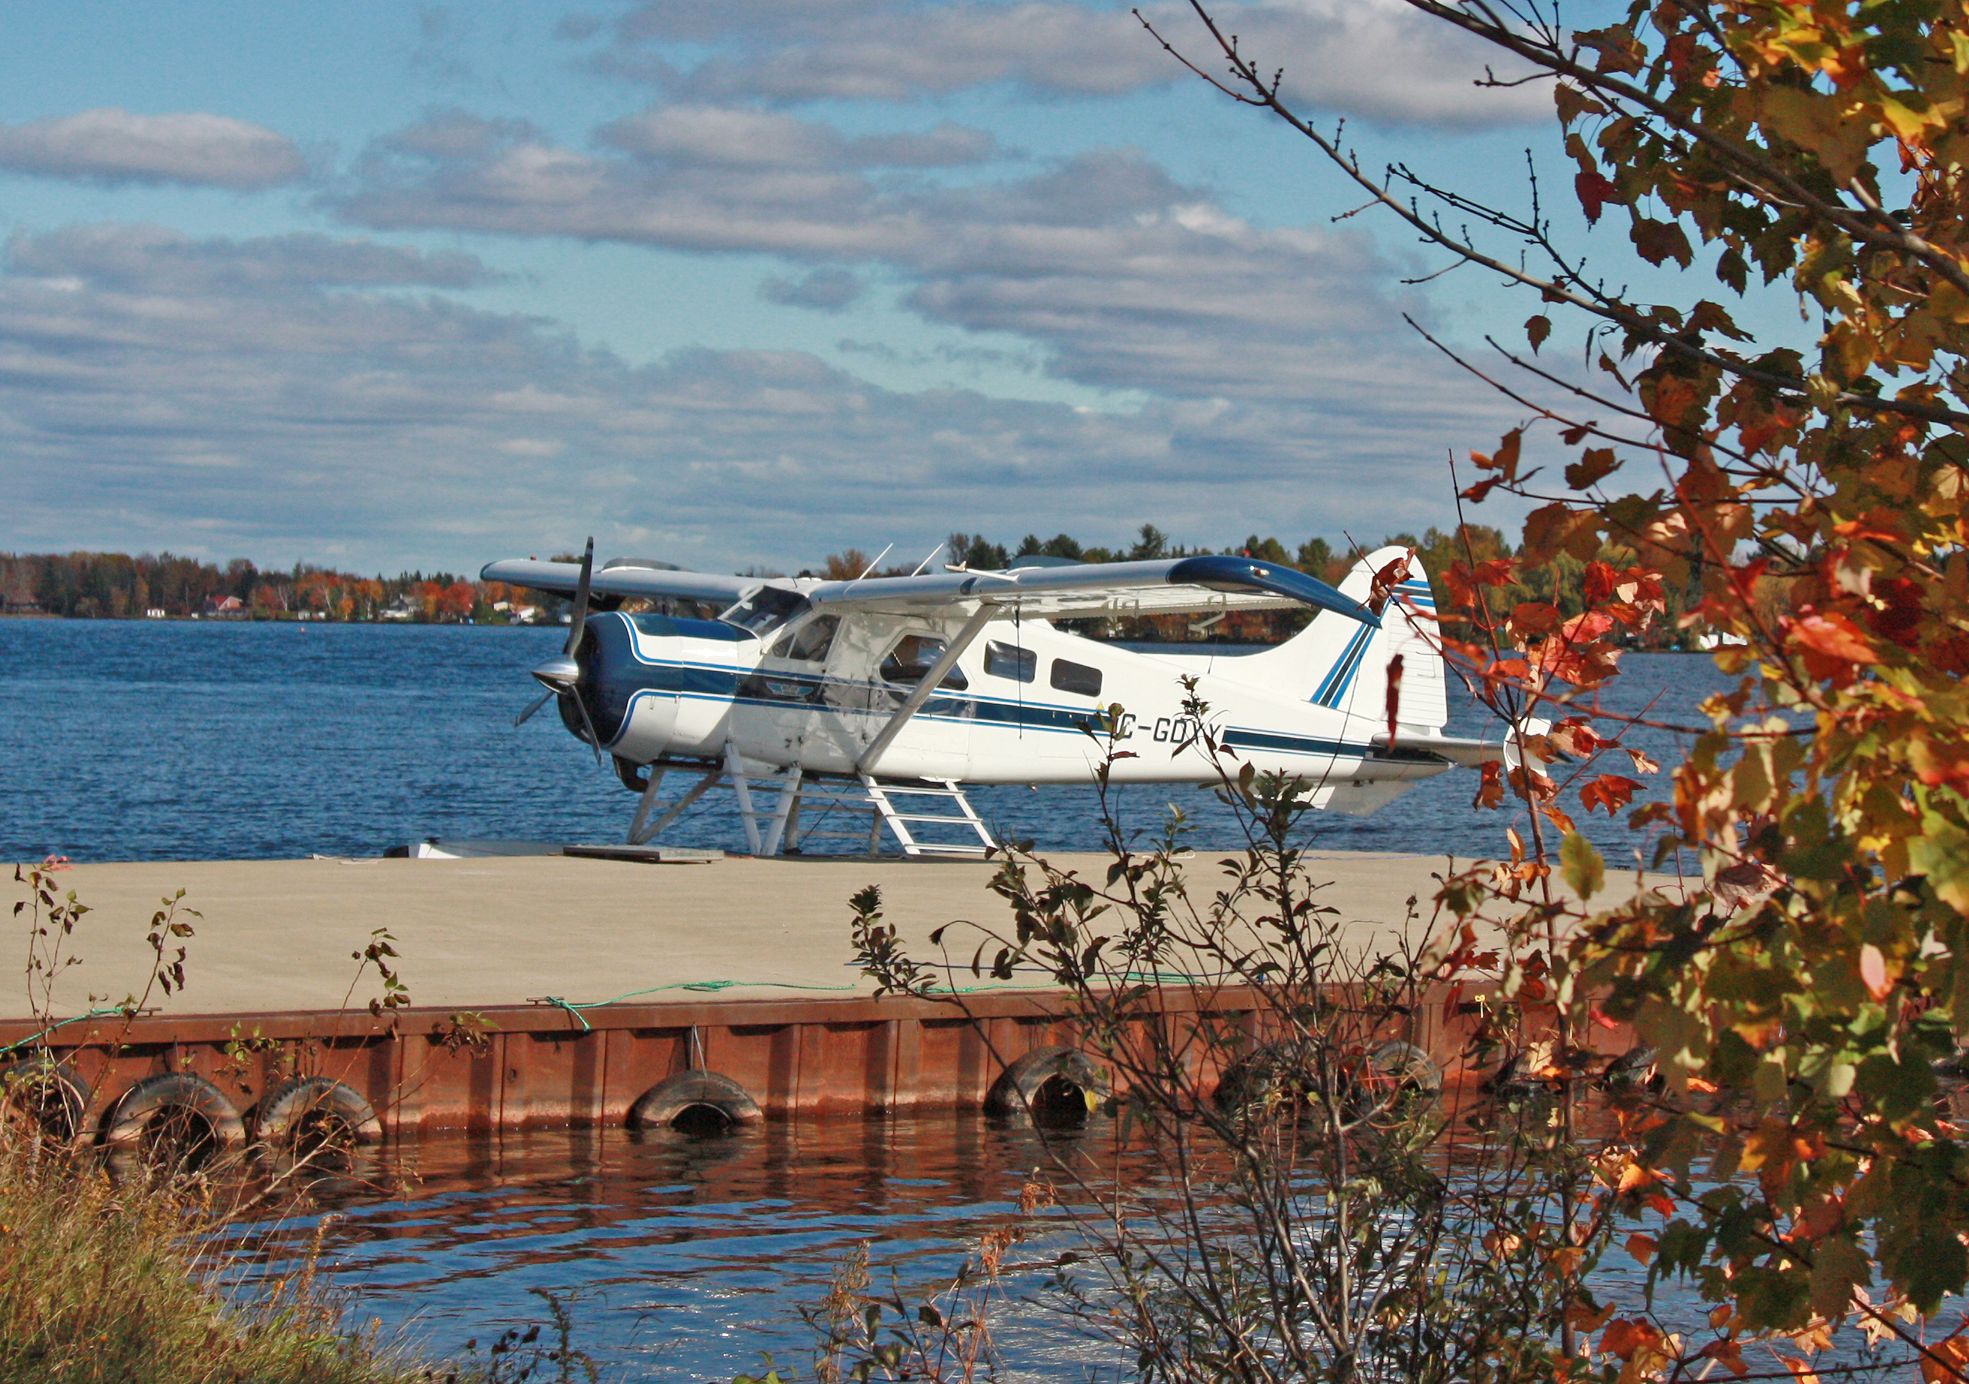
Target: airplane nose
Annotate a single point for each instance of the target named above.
(558, 674)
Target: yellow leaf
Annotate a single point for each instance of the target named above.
(1906, 121)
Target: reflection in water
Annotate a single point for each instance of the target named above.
(689, 1257)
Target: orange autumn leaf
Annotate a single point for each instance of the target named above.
(1830, 644)
(1873, 972)
(1627, 1335)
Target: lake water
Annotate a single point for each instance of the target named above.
(681, 1259)
(149, 740)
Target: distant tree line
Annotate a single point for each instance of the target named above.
(90, 585)
(116, 586)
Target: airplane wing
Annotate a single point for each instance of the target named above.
(649, 582)
(1166, 586)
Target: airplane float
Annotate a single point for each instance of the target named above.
(888, 694)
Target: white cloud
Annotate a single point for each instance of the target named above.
(284, 413)
(1379, 59)
(111, 145)
(1126, 279)
(153, 256)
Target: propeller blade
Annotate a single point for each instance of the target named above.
(580, 620)
(527, 715)
(594, 740)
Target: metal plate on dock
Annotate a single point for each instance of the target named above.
(654, 855)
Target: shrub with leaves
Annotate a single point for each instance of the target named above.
(1282, 1194)
(1810, 494)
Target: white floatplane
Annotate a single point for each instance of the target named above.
(888, 694)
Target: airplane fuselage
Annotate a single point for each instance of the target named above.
(1025, 702)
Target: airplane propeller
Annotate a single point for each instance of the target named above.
(562, 676)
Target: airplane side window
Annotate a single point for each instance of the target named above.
(766, 610)
(1010, 661)
(810, 642)
(913, 656)
(1076, 678)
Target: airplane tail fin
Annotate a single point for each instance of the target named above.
(1340, 663)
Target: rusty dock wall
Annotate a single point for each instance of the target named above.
(737, 968)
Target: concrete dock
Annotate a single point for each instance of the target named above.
(276, 935)
(673, 974)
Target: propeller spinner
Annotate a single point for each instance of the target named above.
(562, 676)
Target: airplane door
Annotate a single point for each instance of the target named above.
(877, 662)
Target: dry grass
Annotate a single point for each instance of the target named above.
(107, 1279)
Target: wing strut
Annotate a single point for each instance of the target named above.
(931, 681)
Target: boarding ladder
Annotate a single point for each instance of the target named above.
(965, 818)
(771, 808)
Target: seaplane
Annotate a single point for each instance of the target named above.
(890, 694)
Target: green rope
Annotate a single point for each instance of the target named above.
(59, 1023)
(713, 986)
(699, 986)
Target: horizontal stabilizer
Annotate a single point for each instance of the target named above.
(1470, 753)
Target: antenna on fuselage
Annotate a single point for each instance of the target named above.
(930, 559)
(871, 567)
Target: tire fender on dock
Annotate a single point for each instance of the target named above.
(305, 1107)
(696, 1101)
(160, 1101)
(46, 1094)
(1289, 1070)
(1050, 1085)
(1400, 1069)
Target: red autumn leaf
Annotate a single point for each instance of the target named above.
(1465, 581)
(1394, 694)
(1595, 190)
(1534, 617)
(1504, 460)
(1575, 737)
(1668, 398)
(1600, 582)
(1576, 654)
(1594, 465)
(1490, 787)
(1899, 614)
(1611, 791)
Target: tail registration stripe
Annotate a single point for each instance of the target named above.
(1337, 677)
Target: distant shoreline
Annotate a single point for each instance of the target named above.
(290, 619)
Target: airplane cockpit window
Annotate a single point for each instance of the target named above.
(1076, 677)
(913, 656)
(1010, 661)
(765, 610)
(811, 641)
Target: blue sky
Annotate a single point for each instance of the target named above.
(727, 283)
